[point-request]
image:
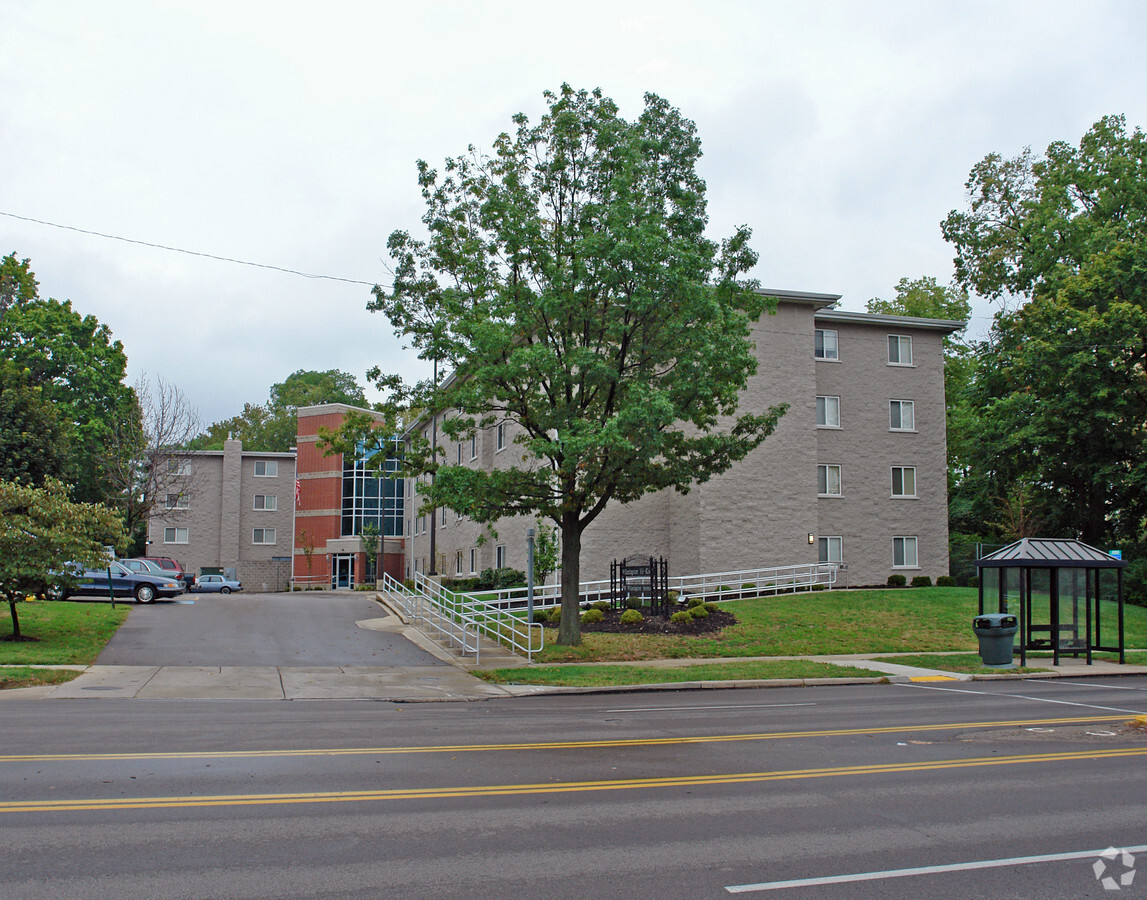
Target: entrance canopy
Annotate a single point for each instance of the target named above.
(1061, 594)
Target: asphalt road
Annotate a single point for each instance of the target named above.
(1013, 787)
(284, 629)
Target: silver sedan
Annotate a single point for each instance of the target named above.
(215, 584)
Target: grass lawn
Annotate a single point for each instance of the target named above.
(19, 676)
(65, 632)
(596, 676)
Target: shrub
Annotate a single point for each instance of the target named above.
(974, 581)
(681, 617)
(632, 617)
(897, 581)
(603, 605)
(554, 615)
(694, 602)
(592, 615)
(921, 581)
(633, 603)
(709, 607)
(673, 596)
(945, 581)
(699, 612)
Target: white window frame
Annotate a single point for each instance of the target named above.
(500, 556)
(459, 453)
(904, 476)
(270, 502)
(265, 531)
(828, 470)
(473, 560)
(172, 534)
(900, 342)
(458, 563)
(903, 543)
(827, 412)
(896, 410)
(176, 501)
(825, 547)
(473, 447)
(444, 511)
(500, 441)
(825, 351)
(270, 468)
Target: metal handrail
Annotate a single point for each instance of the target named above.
(734, 585)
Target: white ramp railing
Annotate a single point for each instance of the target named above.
(459, 619)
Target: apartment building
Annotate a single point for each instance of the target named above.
(855, 473)
(228, 509)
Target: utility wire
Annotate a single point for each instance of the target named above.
(240, 262)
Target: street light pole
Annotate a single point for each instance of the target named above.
(529, 575)
(434, 457)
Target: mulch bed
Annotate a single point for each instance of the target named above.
(715, 621)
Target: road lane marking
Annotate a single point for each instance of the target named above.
(924, 870)
(546, 745)
(507, 790)
(924, 687)
(629, 709)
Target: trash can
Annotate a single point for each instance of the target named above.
(997, 634)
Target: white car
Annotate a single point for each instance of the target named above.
(215, 584)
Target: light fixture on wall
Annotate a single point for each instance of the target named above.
(811, 538)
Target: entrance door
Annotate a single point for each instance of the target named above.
(343, 571)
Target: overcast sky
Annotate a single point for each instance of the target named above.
(286, 134)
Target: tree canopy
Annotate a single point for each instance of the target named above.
(272, 426)
(568, 285)
(1061, 383)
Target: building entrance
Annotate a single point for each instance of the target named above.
(342, 571)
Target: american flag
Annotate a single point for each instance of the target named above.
(298, 491)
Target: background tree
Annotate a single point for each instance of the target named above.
(41, 531)
(34, 438)
(134, 455)
(1061, 382)
(574, 294)
(546, 549)
(272, 427)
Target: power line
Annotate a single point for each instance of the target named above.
(241, 262)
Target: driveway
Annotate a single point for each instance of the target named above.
(285, 629)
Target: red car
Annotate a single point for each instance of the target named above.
(172, 568)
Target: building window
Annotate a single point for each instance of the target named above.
(458, 563)
(473, 560)
(902, 415)
(266, 501)
(178, 467)
(459, 453)
(176, 501)
(903, 481)
(266, 468)
(501, 436)
(899, 350)
(904, 553)
(374, 494)
(444, 515)
(828, 550)
(473, 446)
(826, 345)
(263, 536)
(176, 535)
(500, 556)
(828, 481)
(828, 412)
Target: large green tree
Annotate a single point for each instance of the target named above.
(34, 439)
(1061, 382)
(41, 532)
(272, 426)
(568, 285)
(77, 366)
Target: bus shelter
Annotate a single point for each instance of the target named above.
(1070, 595)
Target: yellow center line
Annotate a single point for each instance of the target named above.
(550, 745)
(30, 806)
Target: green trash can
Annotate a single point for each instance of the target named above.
(997, 634)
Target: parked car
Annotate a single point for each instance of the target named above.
(173, 568)
(143, 586)
(215, 584)
(142, 565)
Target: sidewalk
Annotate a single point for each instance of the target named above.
(451, 683)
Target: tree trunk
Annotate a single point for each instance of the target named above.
(15, 620)
(569, 632)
